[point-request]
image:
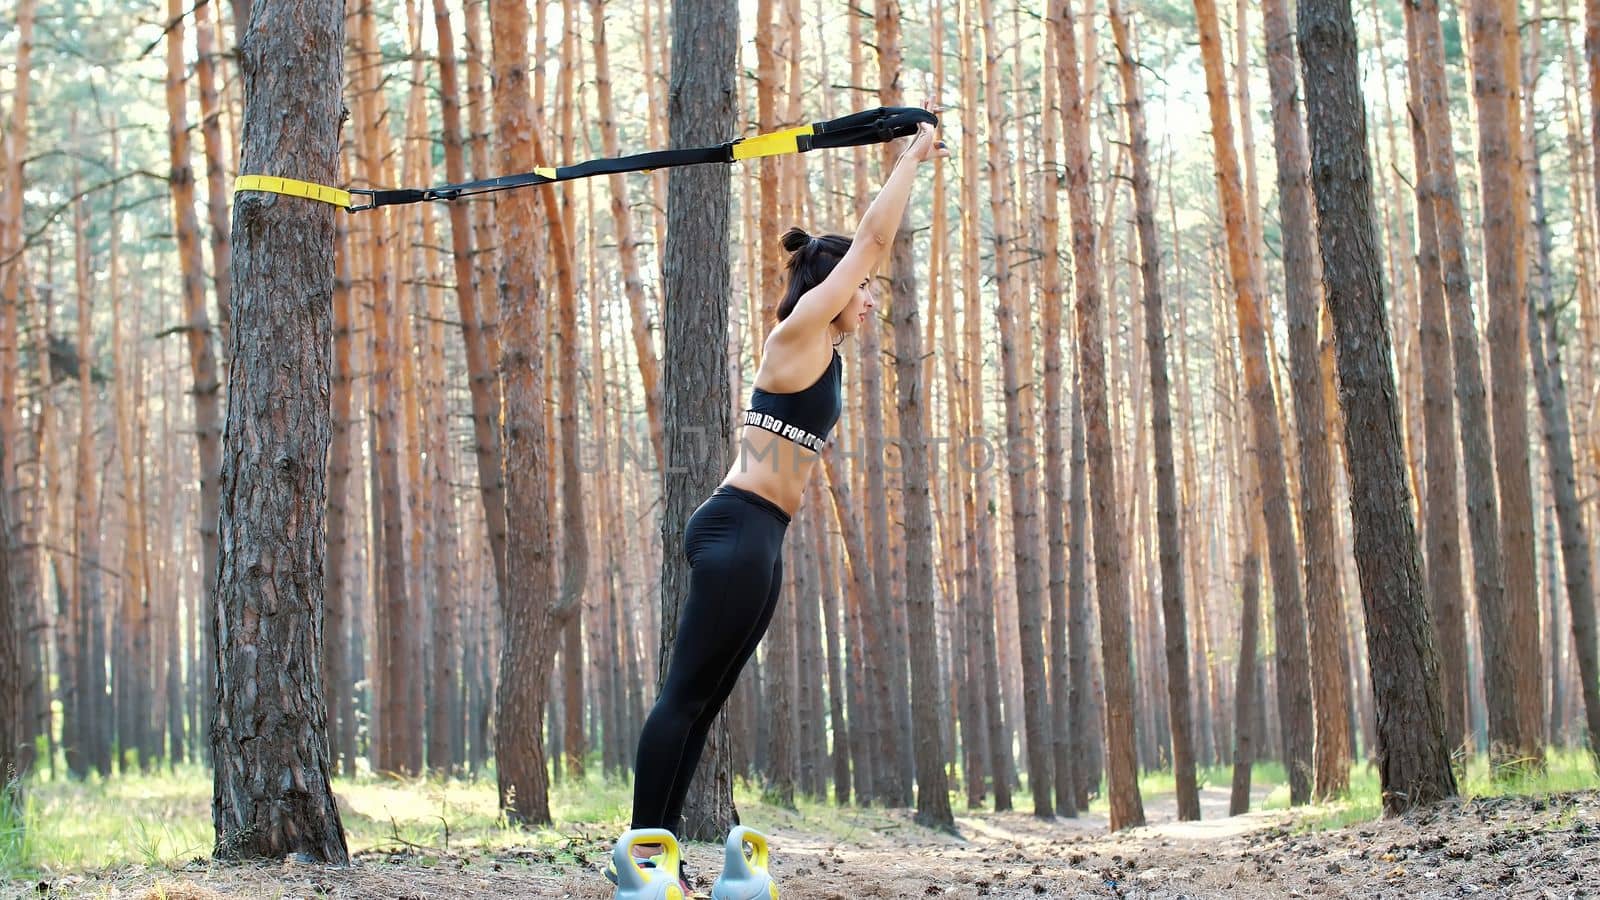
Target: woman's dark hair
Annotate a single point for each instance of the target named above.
(810, 261)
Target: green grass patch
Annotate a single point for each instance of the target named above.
(163, 819)
(1565, 770)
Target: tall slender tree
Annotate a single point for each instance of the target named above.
(272, 795)
(978, 503)
(1172, 594)
(1056, 507)
(1014, 331)
(1550, 380)
(86, 543)
(1413, 760)
(1477, 459)
(1496, 83)
(1442, 504)
(696, 404)
(1289, 624)
(1127, 809)
(1302, 273)
(933, 792)
(530, 570)
(11, 724)
(197, 331)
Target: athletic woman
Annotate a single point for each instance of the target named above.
(734, 540)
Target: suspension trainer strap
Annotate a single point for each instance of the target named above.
(872, 126)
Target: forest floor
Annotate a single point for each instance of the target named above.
(1541, 845)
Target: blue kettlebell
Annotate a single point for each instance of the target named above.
(744, 877)
(637, 883)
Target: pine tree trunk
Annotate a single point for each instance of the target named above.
(696, 402)
(1244, 698)
(1055, 468)
(568, 612)
(1591, 45)
(484, 265)
(197, 328)
(933, 793)
(1545, 348)
(272, 797)
(1294, 682)
(832, 633)
(133, 681)
(399, 748)
(807, 671)
(12, 727)
(622, 225)
(778, 670)
(1303, 273)
(1171, 544)
(14, 152)
(86, 513)
(978, 501)
(216, 195)
(528, 595)
(1414, 761)
(1013, 330)
(413, 225)
(1478, 464)
(1127, 809)
(1443, 503)
(871, 728)
(1495, 82)
(337, 686)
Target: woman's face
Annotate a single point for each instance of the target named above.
(861, 305)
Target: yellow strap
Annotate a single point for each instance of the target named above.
(774, 144)
(272, 184)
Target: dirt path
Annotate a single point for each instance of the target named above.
(1514, 847)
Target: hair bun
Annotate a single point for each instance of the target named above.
(795, 239)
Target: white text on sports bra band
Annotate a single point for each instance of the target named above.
(791, 432)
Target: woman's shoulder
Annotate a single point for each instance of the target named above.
(787, 362)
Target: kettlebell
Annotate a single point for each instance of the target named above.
(744, 877)
(637, 883)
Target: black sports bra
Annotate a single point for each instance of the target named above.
(804, 417)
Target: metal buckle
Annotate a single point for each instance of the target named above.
(370, 204)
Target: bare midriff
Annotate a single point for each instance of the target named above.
(772, 466)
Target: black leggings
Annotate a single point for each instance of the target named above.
(734, 543)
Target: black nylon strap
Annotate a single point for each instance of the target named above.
(873, 126)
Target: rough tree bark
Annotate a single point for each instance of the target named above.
(1171, 542)
(1495, 85)
(1413, 759)
(1014, 329)
(1545, 347)
(1289, 624)
(1440, 469)
(482, 350)
(977, 502)
(91, 599)
(1127, 809)
(216, 195)
(197, 330)
(1055, 450)
(337, 686)
(696, 405)
(272, 795)
(1302, 272)
(933, 790)
(627, 241)
(11, 724)
(530, 586)
(1483, 526)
